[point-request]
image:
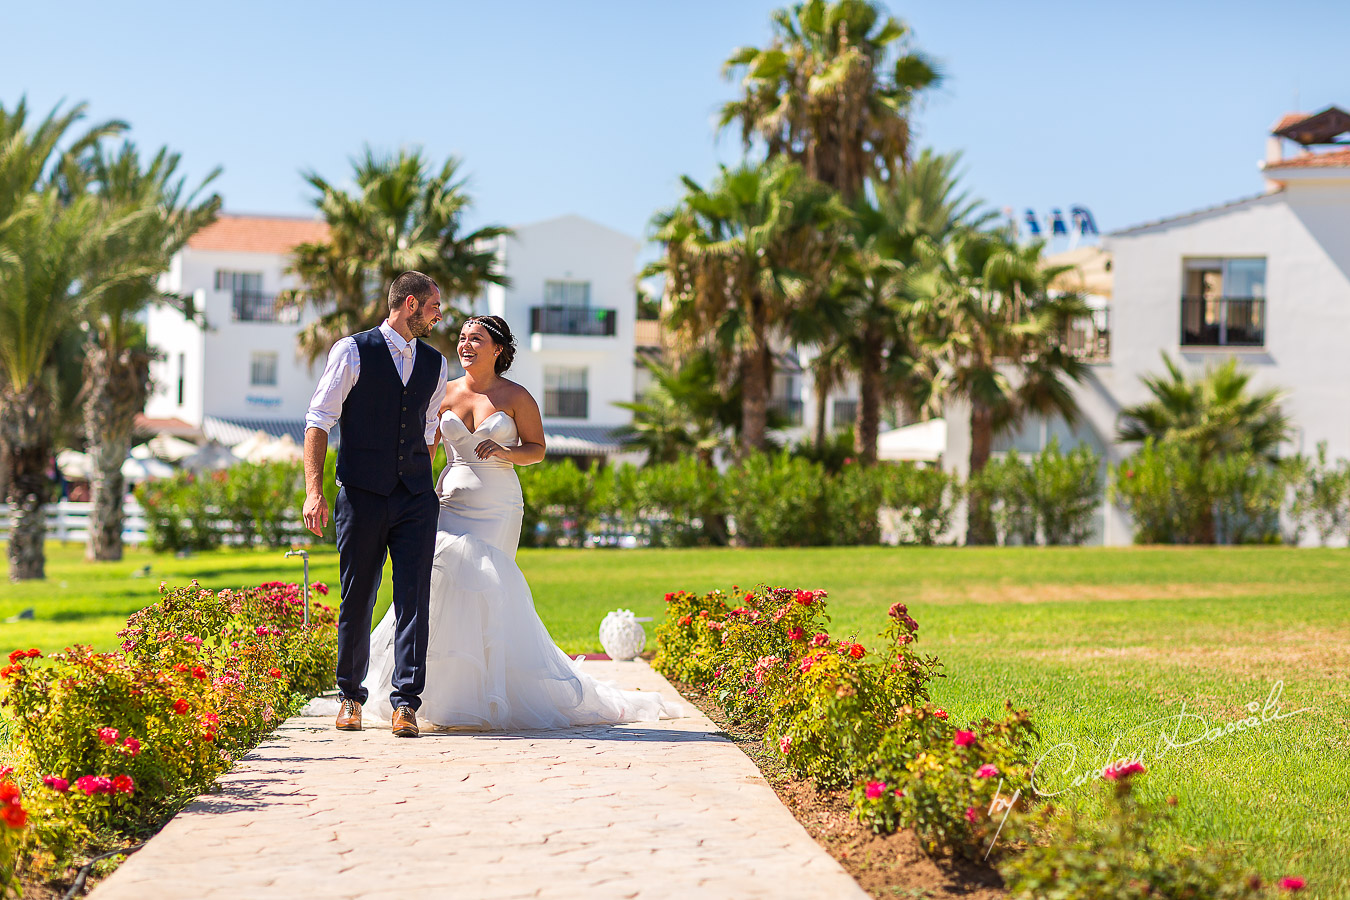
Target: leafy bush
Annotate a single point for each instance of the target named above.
(852, 500)
(776, 501)
(108, 744)
(561, 501)
(1006, 487)
(245, 504)
(682, 503)
(1084, 859)
(1049, 498)
(924, 499)
(1321, 496)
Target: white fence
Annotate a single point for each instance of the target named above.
(69, 521)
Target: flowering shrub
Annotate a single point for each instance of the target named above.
(943, 781)
(111, 743)
(690, 635)
(1111, 857)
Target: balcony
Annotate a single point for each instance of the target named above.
(563, 403)
(250, 306)
(578, 320)
(1089, 338)
(1223, 322)
(789, 410)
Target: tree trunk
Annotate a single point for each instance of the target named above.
(979, 516)
(26, 420)
(869, 399)
(821, 430)
(756, 367)
(117, 385)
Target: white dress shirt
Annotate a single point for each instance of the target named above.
(344, 368)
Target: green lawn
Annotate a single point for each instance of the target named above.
(1104, 645)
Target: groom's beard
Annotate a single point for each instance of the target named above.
(418, 325)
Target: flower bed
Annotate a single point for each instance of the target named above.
(860, 719)
(104, 747)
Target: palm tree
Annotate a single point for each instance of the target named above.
(46, 231)
(1002, 340)
(741, 261)
(682, 412)
(402, 216)
(833, 90)
(157, 216)
(887, 341)
(1216, 414)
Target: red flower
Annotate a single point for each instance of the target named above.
(34, 653)
(988, 770)
(820, 640)
(132, 745)
(971, 815)
(1292, 884)
(211, 718)
(685, 620)
(795, 633)
(857, 651)
(670, 597)
(123, 784)
(805, 598)
(15, 816)
(875, 789)
(9, 792)
(941, 714)
(108, 736)
(897, 610)
(10, 670)
(964, 738)
(1116, 771)
(94, 784)
(16, 655)
(198, 672)
(180, 706)
(180, 668)
(6, 771)
(60, 785)
(274, 672)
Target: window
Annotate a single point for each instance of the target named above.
(571, 294)
(1223, 303)
(248, 302)
(565, 393)
(263, 370)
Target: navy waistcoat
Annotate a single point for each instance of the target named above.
(383, 420)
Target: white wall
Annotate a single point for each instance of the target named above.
(571, 248)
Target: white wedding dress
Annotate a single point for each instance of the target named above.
(491, 663)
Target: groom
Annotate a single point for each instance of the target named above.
(385, 386)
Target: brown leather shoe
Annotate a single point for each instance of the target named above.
(349, 715)
(405, 722)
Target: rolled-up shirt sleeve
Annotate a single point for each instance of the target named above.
(340, 373)
(434, 407)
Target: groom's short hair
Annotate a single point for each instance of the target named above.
(414, 283)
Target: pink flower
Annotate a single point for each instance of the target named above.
(971, 815)
(1118, 770)
(193, 640)
(132, 745)
(685, 620)
(899, 792)
(108, 735)
(820, 640)
(987, 770)
(964, 738)
(875, 789)
(795, 633)
(94, 784)
(784, 745)
(897, 610)
(262, 630)
(1292, 884)
(60, 785)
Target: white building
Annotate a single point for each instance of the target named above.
(1265, 279)
(571, 304)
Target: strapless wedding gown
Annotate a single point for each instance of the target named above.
(491, 663)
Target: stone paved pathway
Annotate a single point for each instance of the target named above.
(668, 809)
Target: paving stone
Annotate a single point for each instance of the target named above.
(650, 810)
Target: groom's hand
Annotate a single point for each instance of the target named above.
(315, 513)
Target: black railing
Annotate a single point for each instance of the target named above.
(566, 404)
(1089, 337)
(1223, 322)
(255, 307)
(845, 413)
(788, 409)
(582, 320)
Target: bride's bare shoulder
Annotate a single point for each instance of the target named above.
(516, 393)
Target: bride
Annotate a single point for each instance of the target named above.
(491, 663)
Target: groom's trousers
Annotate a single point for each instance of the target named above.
(368, 525)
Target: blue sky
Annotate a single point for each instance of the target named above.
(1137, 110)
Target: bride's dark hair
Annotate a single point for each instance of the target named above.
(500, 333)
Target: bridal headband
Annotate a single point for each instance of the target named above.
(492, 329)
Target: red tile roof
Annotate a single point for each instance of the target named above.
(1332, 159)
(258, 234)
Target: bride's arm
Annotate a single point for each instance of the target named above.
(530, 428)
